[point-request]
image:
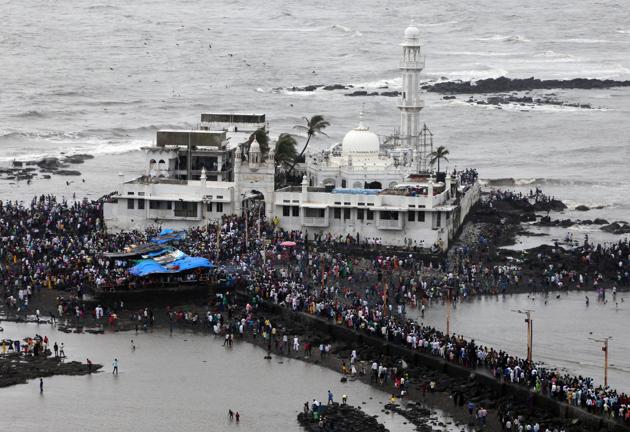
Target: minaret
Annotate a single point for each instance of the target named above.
(410, 103)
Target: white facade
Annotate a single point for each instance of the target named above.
(423, 213)
(358, 188)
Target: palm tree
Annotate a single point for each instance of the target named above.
(262, 136)
(314, 126)
(438, 154)
(286, 149)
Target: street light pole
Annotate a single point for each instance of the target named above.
(448, 313)
(244, 204)
(530, 332)
(605, 349)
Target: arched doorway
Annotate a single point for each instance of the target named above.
(253, 205)
(373, 185)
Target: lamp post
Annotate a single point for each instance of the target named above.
(605, 349)
(244, 204)
(530, 331)
(448, 312)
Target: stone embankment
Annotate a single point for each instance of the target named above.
(462, 383)
(339, 417)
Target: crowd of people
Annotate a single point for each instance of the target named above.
(59, 245)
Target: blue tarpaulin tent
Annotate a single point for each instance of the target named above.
(149, 266)
(168, 235)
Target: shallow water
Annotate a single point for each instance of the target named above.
(181, 382)
(561, 330)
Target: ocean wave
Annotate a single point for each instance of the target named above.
(341, 28)
(482, 53)
(585, 41)
(96, 147)
(30, 114)
(503, 38)
(532, 181)
(437, 24)
(484, 72)
(623, 31)
(386, 82)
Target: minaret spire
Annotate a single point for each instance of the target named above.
(410, 103)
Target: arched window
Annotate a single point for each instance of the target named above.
(161, 165)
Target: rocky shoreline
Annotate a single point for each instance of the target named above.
(490, 85)
(339, 417)
(18, 369)
(505, 84)
(44, 168)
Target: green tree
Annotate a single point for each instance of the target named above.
(286, 151)
(439, 154)
(314, 126)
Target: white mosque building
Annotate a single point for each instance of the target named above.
(357, 188)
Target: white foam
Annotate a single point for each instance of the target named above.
(586, 41)
(341, 27)
(389, 82)
(471, 75)
(482, 53)
(93, 146)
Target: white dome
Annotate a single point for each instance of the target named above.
(412, 32)
(360, 140)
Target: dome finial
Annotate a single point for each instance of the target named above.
(412, 31)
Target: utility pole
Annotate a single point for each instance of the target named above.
(244, 205)
(448, 313)
(530, 331)
(605, 349)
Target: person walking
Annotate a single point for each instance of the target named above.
(115, 365)
(41, 385)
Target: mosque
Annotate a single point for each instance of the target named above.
(382, 192)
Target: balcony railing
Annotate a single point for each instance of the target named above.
(394, 224)
(315, 221)
(410, 64)
(410, 103)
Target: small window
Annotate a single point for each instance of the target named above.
(129, 193)
(140, 193)
(448, 215)
(370, 214)
(169, 205)
(420, 216)
(286, 211)
(346, 213)
(337, 213)
(411, 216)
(130, 204)
(438, 221)
(360, 214)
(219, 207)
(209, 207)
(296, 211)
(219, 196)
(343, 183)
(140, 204)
